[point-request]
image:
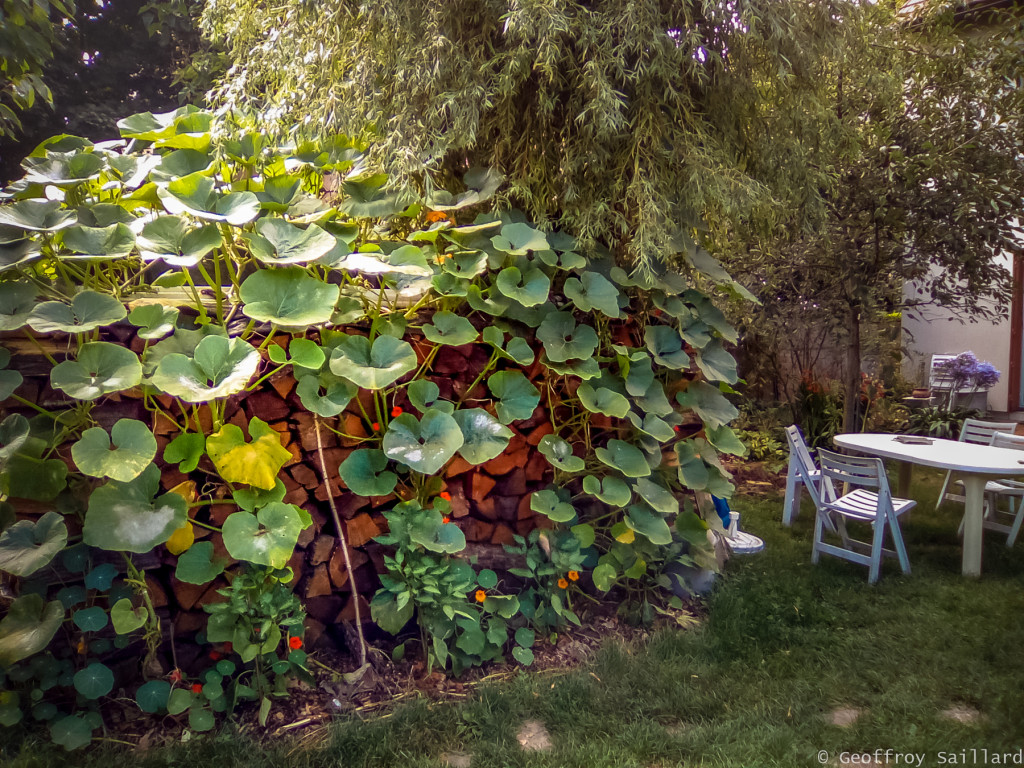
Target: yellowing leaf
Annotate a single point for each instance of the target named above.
(256, 463)
(181, 539)
(186, 489)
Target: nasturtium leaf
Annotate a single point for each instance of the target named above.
(153, 320)
(711, 315)
(62, 168)
(423, 445)
(177, 242)
(654, 426)
(152, 696)
(100, 577)
(559, 453)
(602, 400)
(464, 264)
(15, 252)
(125, 618)
(182, 162)
(372, 366)
(551, 506)
(125, 517)
(717, 364)
(324, 393)
(520, 351)
(103, 215)
(179, 700)
(584, 369)
(626, 458)
(517, 397)
(10, 380)
(666, 346)
(405, 261)
(100, 369)
(611, 490)
(564, 340)
(255, 463)
(654, 400)
(266, 538)
(472, 640)
(37, 215)
(485, 437)
(251, 498)
(17, 301)
(71, 732)
(288, 297)
(364, 473)
(27, 546)
(566, 261)
(279, 192)
(523, 655)
(519, 239)
(198, 565)
(94, 681)
(422, 393)
(725, 440)
(71, 596)
(490, 300)
(585, 534)
(186, 450)
(529, 289)
(217, 367)
(201, 720)
(693, 472)
(280, 242)
(695, 333)
(367, 197)
(181, 539)
(657, 495)
(708, 403)
(114, 241)
(387, 614)
(306, 354)
(449, 285)
(88, 310)
(448, 328)
(28, 627)
(487, 579)
(194, 194)
(122, 455)
(593, 291)
(604, 576)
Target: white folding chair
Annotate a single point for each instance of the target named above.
(1011, 490)
(878, 508)
(801, 466)
(976, 432)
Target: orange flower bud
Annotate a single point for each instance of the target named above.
(480, 595)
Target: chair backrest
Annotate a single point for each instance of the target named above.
(855, 470)
(798, 449)
(939, 380)
(1007, 440)
(980, 432)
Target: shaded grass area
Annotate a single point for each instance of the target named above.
(785, 643)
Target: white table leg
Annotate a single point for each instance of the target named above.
(974, 487)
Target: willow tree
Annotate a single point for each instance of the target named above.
(625, 122)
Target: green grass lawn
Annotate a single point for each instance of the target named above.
(784, 645)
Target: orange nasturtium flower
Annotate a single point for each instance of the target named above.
(563, 584)
(375, 426)
(445, 495)
(480, 595)
(437, 216)
(446, 519)
(197, 688)
(574, 575)
(396, 412)
(294, 643)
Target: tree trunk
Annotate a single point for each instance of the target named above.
(852, 372)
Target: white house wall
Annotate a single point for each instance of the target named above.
(937, 331)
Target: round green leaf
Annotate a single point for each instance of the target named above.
(186, 450)
(406, 261)
(449, 328)
(626, 458)
(100, 369)
(306, 354)
(101, 576)
(658, 496)
(487, 579)
(324, 393)
(62, 168)
(484, 436)
(126, 618)
(425, 445)
(251, 498)
(666, 346)
(17, 301)
(90, 619)
(179, 700)
(523, 655)
(25, 547)
(71, 732)
(266, 538)
(114, 241)
(197, 565)
(28, 627)
(372, 366)
(604, 576)
(423, 394)
(288, 297)
(490, 300)
(724, 439)
(519, 239)
(125, 517)
(255, 463)
(642, 519)
(550, 505)
(218, 367)
(584, 369)
(122, 455)
(708, 403)
(363, 473)
(153, 320)
(717, 364)
(528, 289)
(94, 681)
(584, 534)
(594, 291)
(559, 454)
(88, 310)
(174, 240)
(37, 215)
(280, 242)
(525, 637)
(602, 400)
(152, 696)
(564, 340)
(610, 490)
(517, 397)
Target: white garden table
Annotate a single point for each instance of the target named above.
(976, 464)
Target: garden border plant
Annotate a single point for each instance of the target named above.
(354, 293)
